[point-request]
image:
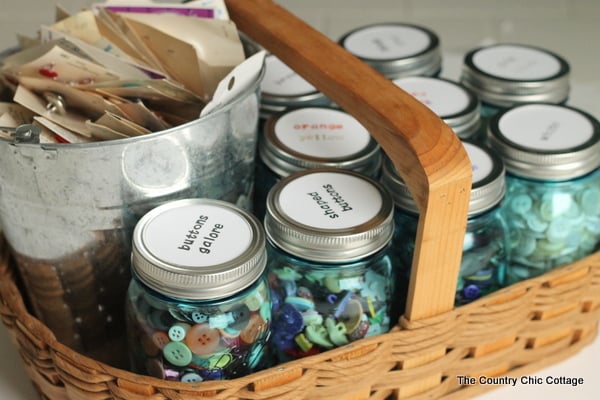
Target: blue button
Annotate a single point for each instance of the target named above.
(471, 292)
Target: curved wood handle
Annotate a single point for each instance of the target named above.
(426, 152)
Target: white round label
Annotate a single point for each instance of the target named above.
(387, 42)
(330, 200)
(516, 62)
(322, 132)
(442, 97)
(199, 235)
(481, 162)
(281, 80)
(546, 127)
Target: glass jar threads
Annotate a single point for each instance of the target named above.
(329, 266)
(485, 247)
(507, 75)
(282, 88)
(396, 49)
(456, 105)
(552, 158)
(198, 306)
(311, 137)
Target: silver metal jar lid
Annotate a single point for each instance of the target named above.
(198, 249)
(506, 75)
(487, 189)
(282, 88)
(396, 49)
(314, 137)
(329, 215)
(456, 105)
(546, 141)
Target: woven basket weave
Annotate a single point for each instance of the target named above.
(511, 332)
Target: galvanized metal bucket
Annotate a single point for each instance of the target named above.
(68, 212)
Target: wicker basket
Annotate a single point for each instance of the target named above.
(510, 333)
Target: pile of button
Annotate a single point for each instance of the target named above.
(192, 343)
(319, 310)
(551, 226)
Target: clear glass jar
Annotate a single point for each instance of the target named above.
(396, 49)
(552, 158)
(456, 105)
(485, 248)
(198, 306)
(311, 137)
(329, 265)
(282, 88)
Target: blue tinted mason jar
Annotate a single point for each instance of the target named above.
(198, 306)
(329, 265)
(396, 49)
(552, 158)
(456, 105)
(282, 88)
(507, 75)
(485, 247)
(311, 137)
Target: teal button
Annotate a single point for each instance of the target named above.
(191, 377)
(177, 354)
(178, 331)
(521, 204)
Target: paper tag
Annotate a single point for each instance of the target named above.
(236, 82)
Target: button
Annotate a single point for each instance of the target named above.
(351, 315)
(282, 340)
(199, 317)
(360, 331)
(254, 301)
(255, 327)
(191, 377)
(289, 320)
(287, 274)
(302, 342)
(318, 335)
(300, 303)
(535, 223)
(220, 321)
(241, 316)
(558, 230)
(333, 284)
(471, 292)
(202, 339)
(265, 311)
(154, 344)
(219, 361)
(521, 203)
(304, 292)
(177, 332)
(172, 374)
(177, 354)
(312, 317)
(336, 332)
(590, 201)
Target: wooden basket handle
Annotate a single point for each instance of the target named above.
(426, 152)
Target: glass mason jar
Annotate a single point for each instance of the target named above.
(396, 49)
(485, 247)
(329, 265)
(456, 105)
(311, 137)
(552, 158)
(198, 306)
(282, 88)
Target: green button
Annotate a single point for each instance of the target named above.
(177, 354)
(521, 204)
(590, 201)
(318, 335)
(336, 332)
